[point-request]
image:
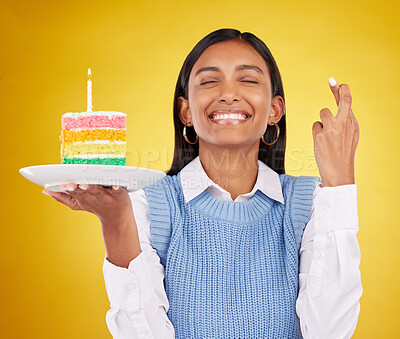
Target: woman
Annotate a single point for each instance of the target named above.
(227, 244)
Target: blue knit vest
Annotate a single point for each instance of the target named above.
(231, 268)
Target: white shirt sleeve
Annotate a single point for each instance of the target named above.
(329, 276)
(137, 296)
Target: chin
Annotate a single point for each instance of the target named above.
(230, 141)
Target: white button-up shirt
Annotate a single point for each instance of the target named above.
(329, 276)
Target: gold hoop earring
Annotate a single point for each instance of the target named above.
(277, 136)
(184, 135)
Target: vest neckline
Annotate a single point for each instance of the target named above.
(247, 211)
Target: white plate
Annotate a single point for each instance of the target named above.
(51, 176)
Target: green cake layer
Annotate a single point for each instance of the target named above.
(95, 161)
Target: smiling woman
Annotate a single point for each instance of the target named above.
(210, 66)
(227, 245)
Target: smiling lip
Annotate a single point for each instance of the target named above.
(229, 116)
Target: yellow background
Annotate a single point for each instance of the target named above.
(51, 272)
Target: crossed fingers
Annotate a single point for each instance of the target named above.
(343, 100)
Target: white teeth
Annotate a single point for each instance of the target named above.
(231, 116)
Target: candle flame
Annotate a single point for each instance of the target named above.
(89, 72)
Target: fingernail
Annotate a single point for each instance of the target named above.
(332, 81)
(46, 192)
(83, 187)
(70, 188)
(62, 187)
(115, 187)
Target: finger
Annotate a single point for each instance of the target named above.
(356, 138)
(73, 190)
(78, 190)
(345, 101)
(91, 189)
(355, 122)
(316, 128)
(116, 190)
(71, 187)
(84, 196)
(326, 117)
(67, 187)
(334, 88)
(46, 192)
(63, 198)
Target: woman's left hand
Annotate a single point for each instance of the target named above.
(336, 139)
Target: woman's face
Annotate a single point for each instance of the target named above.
(230, 78)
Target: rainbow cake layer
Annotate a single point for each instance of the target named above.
(93, 138)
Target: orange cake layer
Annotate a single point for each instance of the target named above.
(93, 135)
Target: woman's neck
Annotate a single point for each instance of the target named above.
(234, 169)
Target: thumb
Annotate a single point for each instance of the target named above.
(316, 128)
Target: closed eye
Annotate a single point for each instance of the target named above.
(209, 82)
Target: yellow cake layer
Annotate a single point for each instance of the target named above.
(94, 134)
(73, 149)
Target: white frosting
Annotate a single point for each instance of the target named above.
(91, 156)
(88, 114)
(85, 129)
(100, 142)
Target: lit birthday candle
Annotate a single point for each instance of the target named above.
(89, 93)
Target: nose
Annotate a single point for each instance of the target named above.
(229, 92)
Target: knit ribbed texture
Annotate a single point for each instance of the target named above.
(231, 269)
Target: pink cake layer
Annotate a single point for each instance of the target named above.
(94, 121)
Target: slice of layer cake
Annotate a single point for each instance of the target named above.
(93, 138)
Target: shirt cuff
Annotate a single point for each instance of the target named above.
(123, 284)
(336, 208)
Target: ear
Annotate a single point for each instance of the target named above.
(278, 109)
(184, 111)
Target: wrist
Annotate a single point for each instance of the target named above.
(121, 241)
(331, 182)
(116, 221)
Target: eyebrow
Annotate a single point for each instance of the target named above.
(238, 68)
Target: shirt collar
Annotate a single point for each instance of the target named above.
(194, 181)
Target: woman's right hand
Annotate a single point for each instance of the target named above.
(110, 204)
(113, 207)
